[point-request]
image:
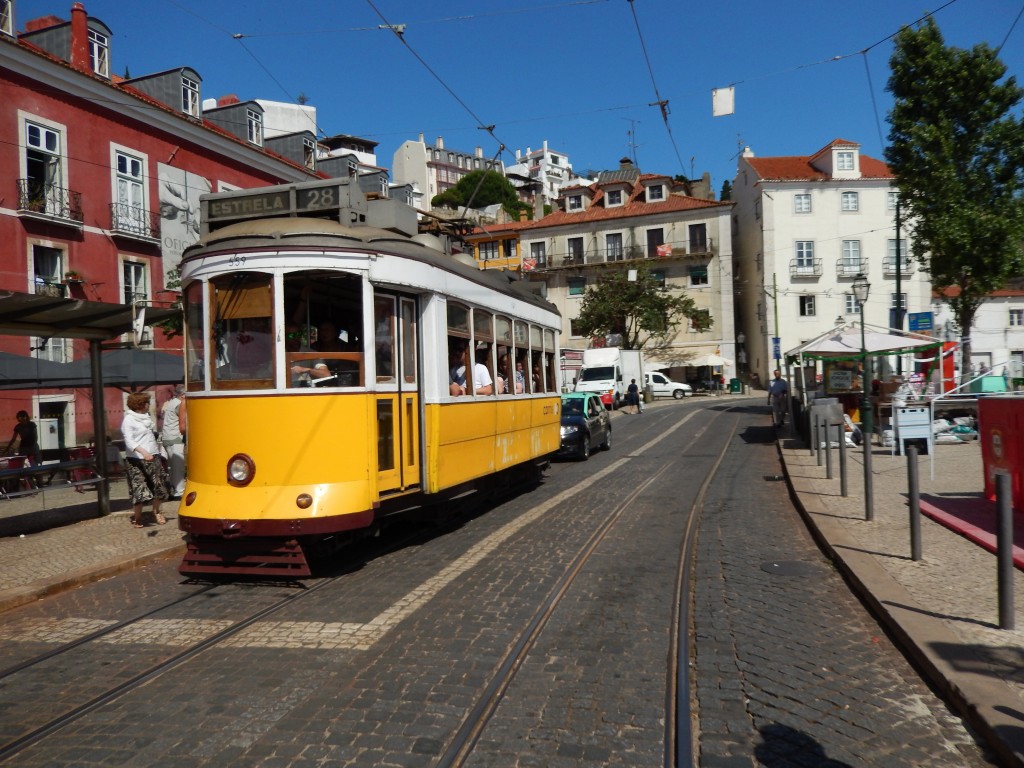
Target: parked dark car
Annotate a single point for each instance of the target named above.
(585, 423)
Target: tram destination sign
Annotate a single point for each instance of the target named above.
(278, 202)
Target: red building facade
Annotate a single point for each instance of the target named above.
(100, 181)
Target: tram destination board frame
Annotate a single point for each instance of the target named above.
(323, 198)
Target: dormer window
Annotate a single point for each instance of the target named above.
(254, 127)
(189, 96)
(99, 53)
(655, 192)
(844, 161)
(575, 202)
(614, 197)
(309, 154)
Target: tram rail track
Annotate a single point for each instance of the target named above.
(678, 740)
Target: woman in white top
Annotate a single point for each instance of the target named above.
(145, 472)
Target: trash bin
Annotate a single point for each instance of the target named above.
(649, 394)
(735, 386)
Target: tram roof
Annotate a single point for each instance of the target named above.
(301, 231)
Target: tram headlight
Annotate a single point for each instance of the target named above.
(241, 469)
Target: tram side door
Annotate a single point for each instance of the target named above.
(398, 406)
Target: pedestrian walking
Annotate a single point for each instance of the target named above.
(778, 391)
(633, 396)
(147, 477)
(172, 435)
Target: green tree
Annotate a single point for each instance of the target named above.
(957, 151)
(479, 189)
(639, 310)
(726, 191)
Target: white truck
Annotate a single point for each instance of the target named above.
(608, 372)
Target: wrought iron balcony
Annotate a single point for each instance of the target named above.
(889, 266)
(40, 200)
(851, 267)
(133, 221)
(50, 288)
(809, 268)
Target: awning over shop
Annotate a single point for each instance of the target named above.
(844, 343)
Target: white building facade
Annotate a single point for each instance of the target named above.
(806, 226)
(432, 168)
(626, 217)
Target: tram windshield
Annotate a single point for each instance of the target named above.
(316, 342)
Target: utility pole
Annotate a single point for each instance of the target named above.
(777, 341)
(899, 290)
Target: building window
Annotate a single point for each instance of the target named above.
(805, 255)
(850, 305)
(844, 161)
(891, 199)
(130, 194)
(698, 318)
(698, 238)
(658, 276)
(577, 286)
(99, 53)
(850, 202)
(488, 251)
(614, 197)
(851, 256)
(574, 327)
(135, 283)
(806, 306)
(254, 121)
(575, 202)
(189, 97)
(451, 158)
(655, 192)
(699, 275)
(613, 245)
(48, 269)
(1017, 318)
(538, 252)
(44, 169)
(6, 25)
(508, 248)
(890, 256)
(309, 153)
(575, 249)
(898, 297)
(802, 202)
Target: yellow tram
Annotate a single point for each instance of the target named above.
(337, 371)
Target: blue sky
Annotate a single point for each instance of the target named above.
(572, 72)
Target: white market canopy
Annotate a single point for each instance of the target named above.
(844, 342)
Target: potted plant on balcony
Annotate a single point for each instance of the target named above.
(73, 278)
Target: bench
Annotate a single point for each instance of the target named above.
(81, 472)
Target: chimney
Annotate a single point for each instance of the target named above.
(420, 138)
(748, 152)
(478, 152)
(440, 142)
(80, 39)
(227, 101)
(522, 216)
(625, 164)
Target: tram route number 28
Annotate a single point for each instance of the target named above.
(317, 198)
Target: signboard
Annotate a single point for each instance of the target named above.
(262, 204)
(776, 347)
(921, 321)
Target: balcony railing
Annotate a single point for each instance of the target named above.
(50, 202)
(132, 221)
(851, 268)
(591, 257)
(889, 266)
(805, 268)
(51, 289)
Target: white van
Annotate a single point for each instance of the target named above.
(663, 386)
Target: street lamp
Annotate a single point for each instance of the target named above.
(861, 289)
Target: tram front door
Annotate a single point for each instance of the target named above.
(398, 427)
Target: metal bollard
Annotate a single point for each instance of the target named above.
(828, 451)
(818, 425)
(1004, 548)
(915, 503)
(842, 460)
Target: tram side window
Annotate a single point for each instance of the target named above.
(536, 359)
(384, 337)
(549, 360)
(458, 343)
(242, 305)
(195, 338)
(505, 381)
(522, 356)
(483, 358)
